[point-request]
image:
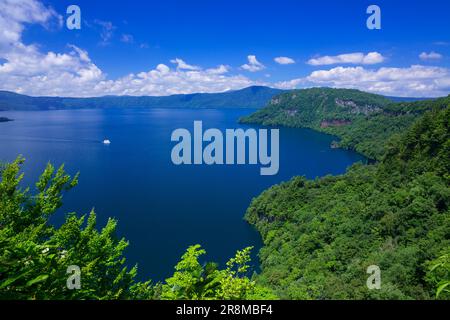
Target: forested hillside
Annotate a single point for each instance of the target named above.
(363, 121)
(251, 97)
(321, 235)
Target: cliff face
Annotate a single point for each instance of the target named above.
(334, 123)
(354, 108)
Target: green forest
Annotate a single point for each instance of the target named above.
(319, 235)
(362, 121)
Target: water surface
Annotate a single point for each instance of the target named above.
(161, 208)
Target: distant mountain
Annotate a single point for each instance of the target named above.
(251, 97)
(407, 99)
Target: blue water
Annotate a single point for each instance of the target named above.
(161, 208)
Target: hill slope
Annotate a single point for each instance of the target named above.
(320, 236)
(362, 121)
(251, 97)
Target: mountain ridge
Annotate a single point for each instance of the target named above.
(362, 121)
(250, 97)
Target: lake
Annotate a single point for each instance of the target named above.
(161, 208)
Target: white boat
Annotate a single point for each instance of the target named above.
(106, 141)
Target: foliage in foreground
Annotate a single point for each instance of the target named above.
(439, 275)
(34, 255)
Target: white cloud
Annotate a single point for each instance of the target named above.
(348, 58)
(292, 84)
(26, 69)
(74, 74)
(253, 64)
(414, 81)
(219, 70)
(29, 71)
(165, 81)
(83, 55)
(127, 38)
(106, 31)
(284, 60)
(181, 65)
(430, 56)
(14, 14)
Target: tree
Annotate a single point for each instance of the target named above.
(35, 255)
(194, 281)
(439, 276)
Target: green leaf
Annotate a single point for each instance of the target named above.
(11, 280)
(40, 278)
(441, 288)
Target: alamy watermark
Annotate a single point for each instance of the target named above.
(374, 20)
(374, 280)
(73, 21)
(73, 282)
(249, 146)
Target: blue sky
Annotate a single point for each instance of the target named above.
(131, 47)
